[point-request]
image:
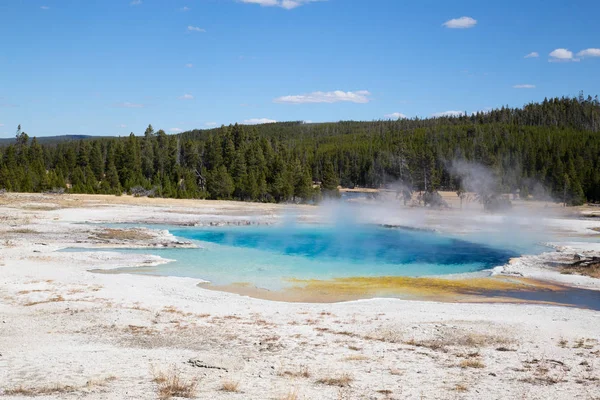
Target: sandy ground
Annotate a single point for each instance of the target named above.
(69, 333)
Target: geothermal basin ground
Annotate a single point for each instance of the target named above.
(348, 319)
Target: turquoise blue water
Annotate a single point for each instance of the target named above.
(267, 256)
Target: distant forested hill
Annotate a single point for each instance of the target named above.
(50, 139)
(543, 149)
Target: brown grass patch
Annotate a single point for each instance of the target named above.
(230, 386)
(461, 387)
(23, 231)
(123, 234)
(54, 299)
(39, 391)
(140, 330)
(22, 292)
(303, 372)
(342, 380)
(458, 339)
(356, 357)
(56, 389)
(593, 271)
(171, 384)
(471, 363)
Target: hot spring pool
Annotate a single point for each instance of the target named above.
(269, 256)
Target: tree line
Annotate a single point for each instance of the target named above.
(542, 150)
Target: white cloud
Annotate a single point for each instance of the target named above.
(533, 54)
(395, 115)
(562, 55)
(191, 28)
(186, 96)
(175, 130)
(525, 86)
(210, 124)
(361, 96)
(257, 121)
(460, 23)
(129, 105)
(185, 9)
(448, 114)
(589, 53)
(44, 7)
(287, 4)
(189, 65)
(136, 2)
(1, 125)
(122, 126)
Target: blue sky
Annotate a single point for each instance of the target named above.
(112, 67)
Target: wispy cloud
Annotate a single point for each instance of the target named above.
(562, 55)
(175, 130)
(589, 53)
(460, 23)
(136, 2)
(122, 126)
(525, 86)
(186, 96)
(191, 28)
(210, 124)
(287, 4)
(395, 115)
(185, 8)
(361, 96)
(257, 121)
(129, 105)
(533, 54)
(44, 7)
(189, 65)
(1, 125)
(448, 114)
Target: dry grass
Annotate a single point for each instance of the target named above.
(385, 335)
(459, 339)
(57, 389)
(545, 371)
(23, 231)
(356, 357)
(54, 299)
(461, 387)
(342, 380)
(123, 234)
(593, 270)
(472, 363)
(23, 292)
(39, 391)
(100, 382)
(302, 372)
(171, 384)
(291, 395)
(230, 386)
